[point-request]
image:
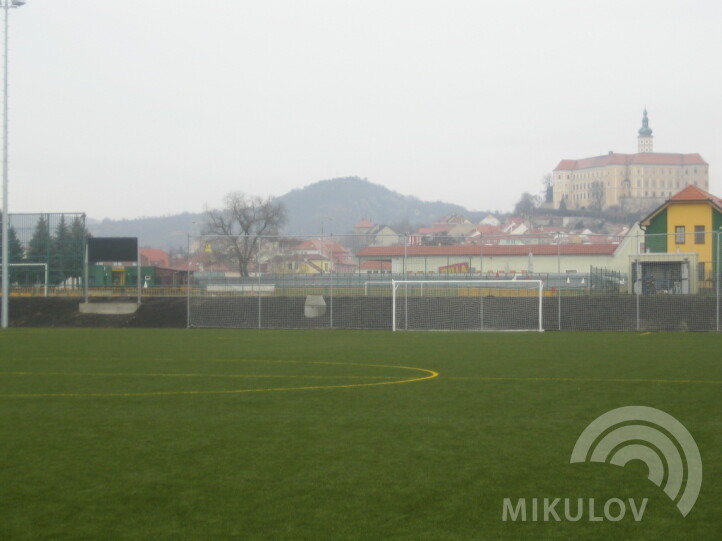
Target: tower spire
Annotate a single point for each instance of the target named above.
(644, 138)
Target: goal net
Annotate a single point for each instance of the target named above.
(493, 305)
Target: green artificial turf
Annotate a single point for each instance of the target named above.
(175, 434)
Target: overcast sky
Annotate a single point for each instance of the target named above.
(145, 108)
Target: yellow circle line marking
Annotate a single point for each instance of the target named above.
(587, 380)
(429, 374)
(180, 375)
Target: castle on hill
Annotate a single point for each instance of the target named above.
(629, 181)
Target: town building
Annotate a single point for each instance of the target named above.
(630, 181)
(499, 260)
(682, 239)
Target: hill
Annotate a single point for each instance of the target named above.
(341, 202)
(337, 204)
(166, 232)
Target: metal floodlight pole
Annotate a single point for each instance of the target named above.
(5, 287)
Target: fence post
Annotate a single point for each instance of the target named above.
(331, 273)
(188, 282)
(717, 274)
(559, 286)
(86, 292)
(258, 271)
(638, 274)
(393, 304)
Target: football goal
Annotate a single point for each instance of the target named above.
(32, 275)
(481, 305)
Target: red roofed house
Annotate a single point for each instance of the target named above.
(685, 229)
(153, 257)
(506, 259)
(314, 256)
(633, 181)
(363, 227)
(368, 233)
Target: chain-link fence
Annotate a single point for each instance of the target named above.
(45, 252)
(638, 280)
(591, 282)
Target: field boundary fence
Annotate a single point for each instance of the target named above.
(589, 282)
(635, 280)
(45, 251)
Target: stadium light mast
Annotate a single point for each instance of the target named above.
(6, 5)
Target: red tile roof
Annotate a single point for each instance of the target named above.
(363, 224)
(154, 257)
(434, 229)
(375, 265)
(200, 261)
(694, 193)
(641, 158)
(690, 194)
(493, 250)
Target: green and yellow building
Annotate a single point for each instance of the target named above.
(689, 222)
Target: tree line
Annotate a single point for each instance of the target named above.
(61, 248)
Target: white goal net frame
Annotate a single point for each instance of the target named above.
(481, 305)
(43, 266)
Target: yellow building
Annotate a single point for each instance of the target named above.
(689, 222)
(631, 181)
(300, 264)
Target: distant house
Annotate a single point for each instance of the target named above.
(689, 223)
(500, 260)
(313, 256)
(452, 219)
(299, 264)
(371, 234)
(484, 234)
(514, 226)
(375, 267)
(490, 219)
(435, 230)
(383, 235)
(461, 230)
(154, 257)
(363, 227)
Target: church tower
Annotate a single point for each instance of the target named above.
(645, 135)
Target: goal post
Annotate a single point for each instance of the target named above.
(42, 266)
(491, 305)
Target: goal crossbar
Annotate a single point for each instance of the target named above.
(507, 312)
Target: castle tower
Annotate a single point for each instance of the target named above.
(645, 135)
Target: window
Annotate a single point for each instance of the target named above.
(679, 234)
(699, 234)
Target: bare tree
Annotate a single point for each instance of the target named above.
(597, 194)
(548, 192)
(239, 226)
(526, 207)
